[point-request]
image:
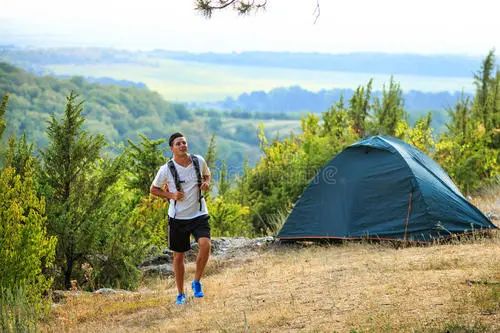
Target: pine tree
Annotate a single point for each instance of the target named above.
(3, 109)
(469, 149)
(144, 161)
(485, 89)
(26, 251)
(329, 117)
(486, 106)
(223, 184)
(496, 113)
(459, 124)
(420, 135)
(211, 155)
(20, 155)
(390, 110)
(359, 108)
(75, 181)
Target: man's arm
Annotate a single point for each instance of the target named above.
(165, 194)
(205, 185)
(206, 175)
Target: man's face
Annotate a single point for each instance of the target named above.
(179, 146)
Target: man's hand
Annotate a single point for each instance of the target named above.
(204, 186)
(178, 196)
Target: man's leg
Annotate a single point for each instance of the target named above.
(204, 245)
(179, 271)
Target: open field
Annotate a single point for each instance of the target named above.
(351, 287)
(181, 81)
(274, 127)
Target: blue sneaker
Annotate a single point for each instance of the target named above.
(181, 299)
(196, 285)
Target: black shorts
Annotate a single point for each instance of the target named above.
(180, 230)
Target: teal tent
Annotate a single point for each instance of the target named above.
(382, 188)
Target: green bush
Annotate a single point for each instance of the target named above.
(228, 218)
(126, 238)
(25, 249)
(17, 313)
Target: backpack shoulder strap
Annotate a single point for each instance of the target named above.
(196, 164)
(173, 171)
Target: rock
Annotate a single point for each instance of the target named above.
(59, 295)
(491, 215)
(163, 270)
(264, 241)
(165, 258)
(222, 248)
(109, 291)
(232, 247)
(194, 247)
(106, 291)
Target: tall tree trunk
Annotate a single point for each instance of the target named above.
(68, 271)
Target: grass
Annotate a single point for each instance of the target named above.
(352, 287)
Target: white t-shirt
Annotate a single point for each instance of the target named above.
(189, 207)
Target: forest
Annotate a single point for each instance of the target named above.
(118, 112)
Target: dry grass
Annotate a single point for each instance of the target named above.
(355, 287)
(488, 200)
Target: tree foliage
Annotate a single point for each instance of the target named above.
(144, 160)
(469, 150)
(26, 249)
(243, 7)
(360, 107)
(3, 108)
(228, 218)
(420, 135)
(211, 155)
(20, 157)
(116, 112)
(389, 110)
(486, 98)
(223, 183)
(132, 229)
(75, 182)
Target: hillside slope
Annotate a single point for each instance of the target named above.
(353, 287)
(118, 113)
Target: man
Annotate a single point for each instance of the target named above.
(186, 176)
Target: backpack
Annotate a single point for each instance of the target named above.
(177, 181)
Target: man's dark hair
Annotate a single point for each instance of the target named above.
(173, 137)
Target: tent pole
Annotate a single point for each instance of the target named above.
(408, 214)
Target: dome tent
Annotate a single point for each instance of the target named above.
(382, 188)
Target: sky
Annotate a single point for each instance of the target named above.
(391, 26)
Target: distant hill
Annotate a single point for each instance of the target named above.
(296, 99)
(189, 77)
(429, 65)
(117, 112)
(114, 111)
(412, 64)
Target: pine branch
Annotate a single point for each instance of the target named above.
(206, 7)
